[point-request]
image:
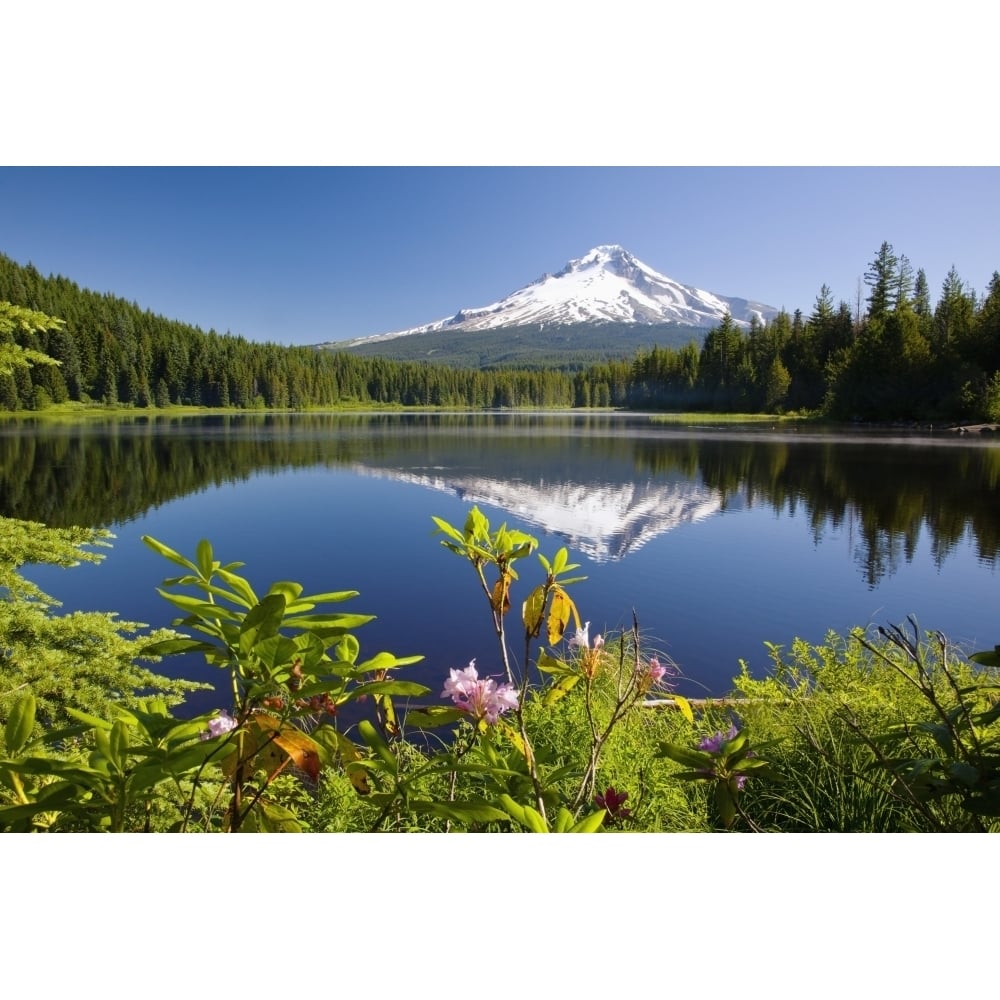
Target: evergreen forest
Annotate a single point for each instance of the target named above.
(894, 355)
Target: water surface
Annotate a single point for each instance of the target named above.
(718, 540)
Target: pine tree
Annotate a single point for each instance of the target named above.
(882, 278)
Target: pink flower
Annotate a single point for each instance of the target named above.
(480, 698)
(219, 726)
(652, 673)
(582, 639)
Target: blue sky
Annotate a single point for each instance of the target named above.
(303, 255)
(342, 248)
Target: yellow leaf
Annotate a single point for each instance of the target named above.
(560, 689)
(501, 594)
(524, 749)
(532, 611)
(559, 614)
(685, 707)
(358, 777)
(270, 745)
(350, 755)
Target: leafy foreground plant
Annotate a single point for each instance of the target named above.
(287, 669)
(886, 733)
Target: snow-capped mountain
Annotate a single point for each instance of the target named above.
(608, 284)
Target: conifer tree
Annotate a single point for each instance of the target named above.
(882, 278)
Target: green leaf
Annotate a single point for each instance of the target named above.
(20, 723)
(435, 715)
(90, 720)
(404, 688)
(273, 818)
(725, 803)
(373, 738)
(524, 815)
(684, 755)
(336, 620)
(964, 774)
(465, 812)
(591, 823)
(386, 661)
(734, 745)
(348, 648)
(52, 799)
(446, 529)
(262, 621)
(288, 589)
(204, 610)
(320, 687)
(333, 597)
(239, 586)
(564, 820)
(169, 553)
(987, 658)
(168, 647)
(206, 561)
(119, 744)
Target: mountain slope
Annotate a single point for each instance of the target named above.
(606, 285)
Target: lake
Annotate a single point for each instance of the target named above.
(719, 539)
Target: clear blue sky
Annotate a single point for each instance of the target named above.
(307, 255)
(302, 255)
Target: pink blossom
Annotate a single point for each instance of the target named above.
(481, 698)
(656, 670)
(219, 726)
(652, 673)
(582, 639)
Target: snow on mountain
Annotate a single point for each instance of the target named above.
(608, 284)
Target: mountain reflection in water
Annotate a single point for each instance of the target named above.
(719, 540)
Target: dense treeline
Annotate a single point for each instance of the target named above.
(114, 353)
(897, 358)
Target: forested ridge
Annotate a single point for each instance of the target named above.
(891, 356)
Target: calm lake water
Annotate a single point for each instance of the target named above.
(719, 540)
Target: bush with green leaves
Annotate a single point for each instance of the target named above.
(883, 731)
(87, 660)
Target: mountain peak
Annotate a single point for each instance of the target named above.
(609, 255)
(606, 285)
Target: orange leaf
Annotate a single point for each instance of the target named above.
(501, 594)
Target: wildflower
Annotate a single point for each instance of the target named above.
(481, 698)
(219, 726)
(614, 803)
(655, 670)
(713, 744)
(582, 638)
